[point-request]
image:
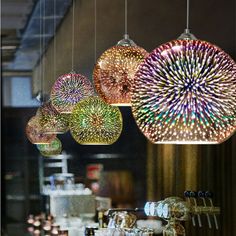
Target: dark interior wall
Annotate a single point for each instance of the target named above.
(176, 168)
(150, 23)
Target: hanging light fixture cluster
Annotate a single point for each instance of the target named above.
(183, 92)
(47, 123)
(73, 105)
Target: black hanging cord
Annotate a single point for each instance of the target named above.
(187, 16)
(73, 35)
(126, 13)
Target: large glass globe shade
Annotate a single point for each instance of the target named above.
(185, 92)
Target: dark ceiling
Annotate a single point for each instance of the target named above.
(14, 16)
(27, 28)
(150, 23)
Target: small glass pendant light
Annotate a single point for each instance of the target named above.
(53, 148)
(35, 133)
(114, 71)
(68, 90)
(185, 92)
(51, 120)
(72, 87)
(94, 122)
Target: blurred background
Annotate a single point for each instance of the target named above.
(133, 170)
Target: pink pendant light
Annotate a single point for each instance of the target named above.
(35, 133)
(185, 93)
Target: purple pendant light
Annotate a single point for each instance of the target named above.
(72, 87)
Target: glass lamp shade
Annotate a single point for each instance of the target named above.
(54, 148)
(35, 133)
(68, 90)
(185, 92)
(94, 122)
(114, 73)
(51, 120)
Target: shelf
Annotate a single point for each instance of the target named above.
(54, 165)
(59, 157)
(22, 197)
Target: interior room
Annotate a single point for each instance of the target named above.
(118, 117)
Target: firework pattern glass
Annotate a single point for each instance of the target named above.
(51, 120)
(68, 90)
(52, 149)
(35, 133)
(185, 92)
(114, 73)
(95, 122)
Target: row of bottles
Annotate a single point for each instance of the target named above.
(42, 225)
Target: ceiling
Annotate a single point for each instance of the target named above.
(150, 24)
(14, 15)
(26, 29)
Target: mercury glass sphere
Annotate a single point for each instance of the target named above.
(68, 90)
(114, 73)
(53, 148)
(185, 92)
(35, 133)
(94, 122)
(51, 120)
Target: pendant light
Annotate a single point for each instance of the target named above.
(53, 148)
(34, 130)
(72, 87)
(68, 90)
(94, 122)
(51, 120)
(35, 133)
(115, 69)
(185, 92)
